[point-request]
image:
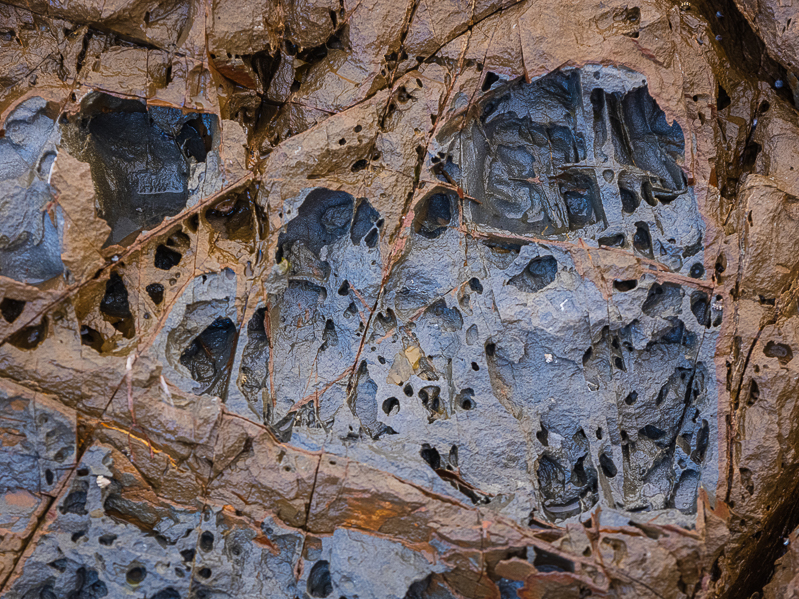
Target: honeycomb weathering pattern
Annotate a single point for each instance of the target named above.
(491, 355)
(396, 298)
(496, 369)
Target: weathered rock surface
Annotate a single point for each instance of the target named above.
(398, 299)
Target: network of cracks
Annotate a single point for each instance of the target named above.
(491, 357)
(519, 379)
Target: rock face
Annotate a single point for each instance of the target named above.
(398, 299)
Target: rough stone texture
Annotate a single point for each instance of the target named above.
(785, 583)
(774, 23)
(398, 299)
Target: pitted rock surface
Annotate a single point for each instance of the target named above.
(398, 299)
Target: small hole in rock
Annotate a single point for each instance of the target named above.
(195, 140)
(754, 393)
(136, 575)
(700, 307)
(166, 258)
(490, 79)
(630, 200)
(465, 399)
(29, 337)
(75, 502)
(549, 562)
(543, 436)
(650, 431)
(319, 581)
(539, 273)
(91, 337)
(611, 241)
(156, 292)
(208, 357)
(723, 100)
(207, 541)
(624, 286)
(780, 351)
(431, 456)
(232, 217)
(587, 355)
(430, 398)
(607, 465)
(642, 240)
(721, 264)
(433, 215)
(115, 307)
(11, 309)
(391, 406)
(371, 238)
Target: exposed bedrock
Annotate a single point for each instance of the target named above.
(398, 299)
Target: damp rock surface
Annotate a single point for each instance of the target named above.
(30, 248)
(141, 159)
(398, 299)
